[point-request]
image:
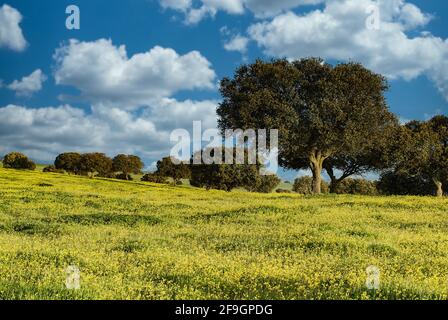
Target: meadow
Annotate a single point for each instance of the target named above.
(136, 240)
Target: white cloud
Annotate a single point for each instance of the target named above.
(11, 35)
(237, 43)
(28, 85)
(105, 74)
(339, 32)
(45, 132)
(195, 11)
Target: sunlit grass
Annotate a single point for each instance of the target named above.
(135, 240)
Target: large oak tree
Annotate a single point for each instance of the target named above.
(323, 113)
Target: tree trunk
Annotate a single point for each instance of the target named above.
(439, 191)
(316, 163)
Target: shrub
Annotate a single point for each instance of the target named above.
(304, 185)
(154, 178)
(357, 186)
(17, 160)
(283, 191)
(52, 169)
(266, 184)
(123, 176)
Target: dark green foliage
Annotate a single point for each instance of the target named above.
(224, 176)
(96, 163)
(357, 186)
(127, 165)
(123, 176)
(52, 169)
(70, 162)
(167, 168)
(401, 183)
(154, 178)
(17, 160)
(422, 152)
(264, 184)
(304, 185)
(323, 113)
(283, 191)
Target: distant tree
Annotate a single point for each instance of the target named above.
(167, 168)
(423, 151)
(223, 176)
(17, 160)
(52, 169)
(304, 185)
(154, 178)
(127, 165)
(322, 112)
(70, 162)
(96, 163)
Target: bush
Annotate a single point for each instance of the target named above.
(154, 178)
(17, 160)
(52, 169)
(283, 191)
(357, 186)
(304, 185)
(266, 184)
(123, 176)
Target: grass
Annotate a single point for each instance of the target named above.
(135, 240)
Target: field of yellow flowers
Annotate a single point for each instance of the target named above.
(135, 240)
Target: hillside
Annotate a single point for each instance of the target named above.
(145, 241)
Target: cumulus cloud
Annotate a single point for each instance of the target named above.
(29, 85)
(237, 43)
(11, 35)
(195, 11)
(339, 32)
(105, 74)
(45, 132)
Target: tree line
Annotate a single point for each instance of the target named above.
(329, 118)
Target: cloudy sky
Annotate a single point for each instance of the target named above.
(136, 70)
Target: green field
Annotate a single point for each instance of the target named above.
(134, 240)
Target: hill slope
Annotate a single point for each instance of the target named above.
(135, 240)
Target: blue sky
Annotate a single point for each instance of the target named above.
(409, 47)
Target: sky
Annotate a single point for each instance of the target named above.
(136, 70)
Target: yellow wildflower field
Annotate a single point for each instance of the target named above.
(135, 240)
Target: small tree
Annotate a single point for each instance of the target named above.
(167, 168)
(70, 162)
(96, 163)
(127, 165)
(17, 160)
(357, 186)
